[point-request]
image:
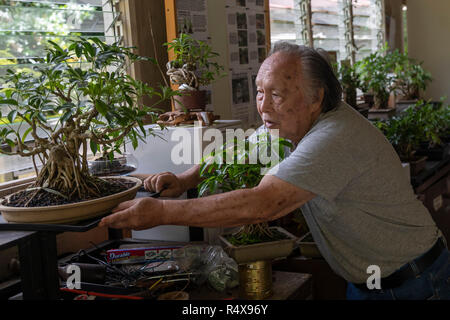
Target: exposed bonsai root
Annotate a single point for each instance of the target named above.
(260, 230)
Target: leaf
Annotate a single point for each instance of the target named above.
(101, 107)
(94, 146)
(9, 102)
(25, 134)
(66, 115)
(12, 116)
(10, 143)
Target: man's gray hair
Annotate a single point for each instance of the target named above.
(317, 73)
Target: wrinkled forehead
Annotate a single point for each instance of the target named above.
(280, 65)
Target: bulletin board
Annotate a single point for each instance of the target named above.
(239, 30)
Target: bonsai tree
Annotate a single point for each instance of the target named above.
(193, 64)
(349, 80)
(410, 77)
(376, 77)
(436, 120)
(220, 176)
(406, 131)
(99, 107)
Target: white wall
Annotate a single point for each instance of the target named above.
(428, 41)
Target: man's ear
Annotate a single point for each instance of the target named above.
(317, 105)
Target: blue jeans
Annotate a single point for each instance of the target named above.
(432, 284)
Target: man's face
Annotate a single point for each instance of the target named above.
(280, 100)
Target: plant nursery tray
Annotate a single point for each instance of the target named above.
(260, 251)
(81, 226)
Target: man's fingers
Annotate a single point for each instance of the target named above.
(162, 182)
(116, 220)
(122, 206)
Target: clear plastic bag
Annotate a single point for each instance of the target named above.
(211, 264)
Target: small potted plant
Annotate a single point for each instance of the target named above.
(350, 82)
(99, 107)
(191, 68)
(435, 144)
(376, 77)
(252, 246)
(410, 79)
(405, 132)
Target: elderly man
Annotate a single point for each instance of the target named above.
(354, 194)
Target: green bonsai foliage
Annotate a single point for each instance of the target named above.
(349, 80)
(98, 104)
(410, 77)
(243, 172)
(193, 65)
(419, 123)
(375, 74)
(437, 118)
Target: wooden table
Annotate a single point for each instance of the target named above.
(286, 286)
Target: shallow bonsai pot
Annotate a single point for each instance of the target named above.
(71, 212)
(123, 164)
(260, 251)
(191, 100)
(308, 247)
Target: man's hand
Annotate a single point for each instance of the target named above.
(172, 185)
(136, 214)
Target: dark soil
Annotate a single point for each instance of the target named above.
(44, 198)
(252, 239)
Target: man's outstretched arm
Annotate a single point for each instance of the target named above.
(271, 199)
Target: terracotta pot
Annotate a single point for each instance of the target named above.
(72, 212)
(191, 100)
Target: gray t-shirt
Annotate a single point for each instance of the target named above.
(365, 211)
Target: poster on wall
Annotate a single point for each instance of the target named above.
(192, 18)
(247, 50)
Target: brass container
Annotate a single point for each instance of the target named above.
(255, 280)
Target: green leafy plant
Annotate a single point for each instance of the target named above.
(193, 64)
(419, 123)
(220, 175)
(349, 80)
(98, 104)
(410, 77)
(375, 73)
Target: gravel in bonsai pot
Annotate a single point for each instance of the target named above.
(99, 106)
(252, 246)
(193, 66)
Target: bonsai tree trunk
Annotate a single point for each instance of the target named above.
(381, 100)
(350, 96)
(64, 173)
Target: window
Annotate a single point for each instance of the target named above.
(25, 28)
(328, 20)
